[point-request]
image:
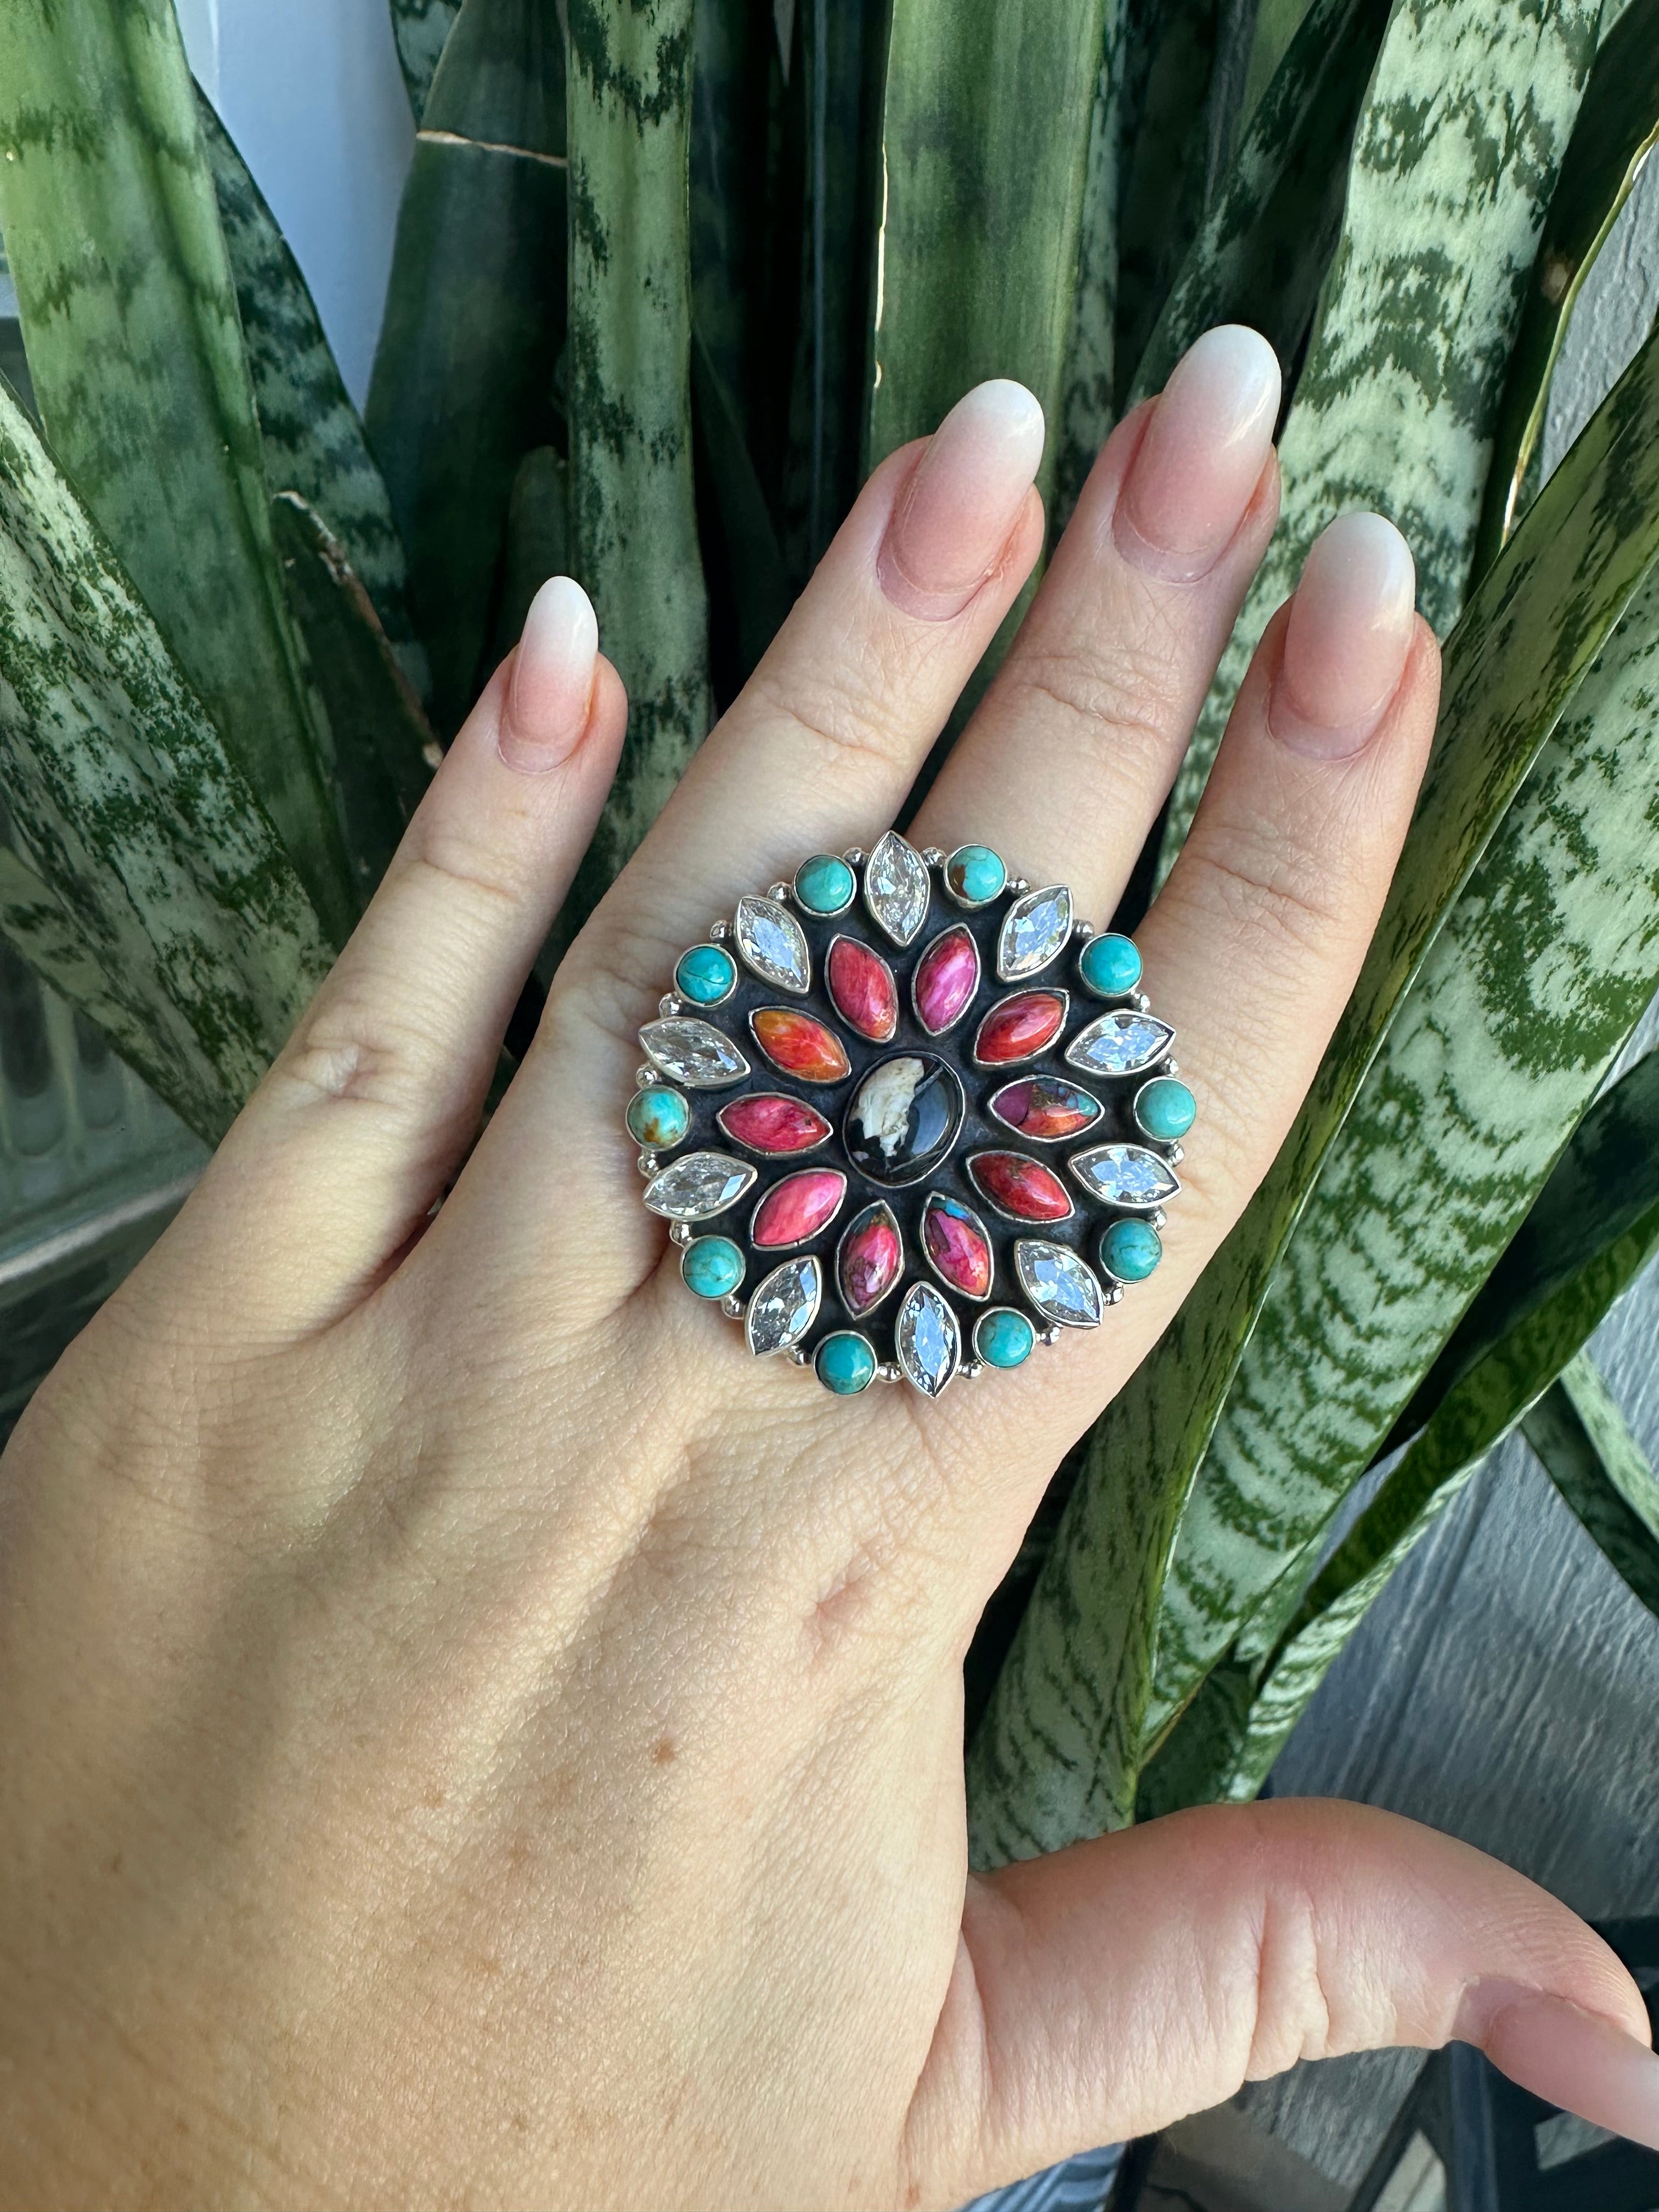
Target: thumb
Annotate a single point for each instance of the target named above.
(1114, 1988)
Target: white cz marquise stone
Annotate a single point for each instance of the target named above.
(1125, 1174)
(1034, 931)
(1120, 1043)
(694, 1053)
(773, 944)
(1058, 1284)
(698, 1186)
(784, 1306)
(896, 888)
(927, 1338)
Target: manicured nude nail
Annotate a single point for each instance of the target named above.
(552, 681)
(1346, 644)
(954, 515)
(1202, 456)
(1572, 2058)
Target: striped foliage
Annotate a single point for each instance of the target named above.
(1459, 145)
(136, 358)
(147, 886)
(1059, 1751)
(633, 508)
(1586, 1447)
(420, 28)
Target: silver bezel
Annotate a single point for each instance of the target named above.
(796, 1242)
(720, 1297)
(909, 1052)
(690, 1082)
(1101, 1021)
(827, 913)
(876, 1206)
(696, 1007)
(951, 929)
(800, 1259)
(892, 935)
(968, 905)
(659, 1083)
(1171, 1145)
(800, 1153)
(1044, 990)
(1007, 973)
(686, 1160)
(823, 1082)
(980, 1320)
(1007, 1151)
(924, 1290)
(941, 1198)
(1110, 1000)
(749, 905)
(1024, 1135)
(1139, 1207)
(1022, 1244)
(841, 937)
(875, 1363)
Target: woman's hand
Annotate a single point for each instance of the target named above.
(472, 1735)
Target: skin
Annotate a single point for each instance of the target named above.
(472, 1735)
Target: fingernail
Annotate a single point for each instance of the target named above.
(1571, 2059)
(1349, 633)
(1202, 456)
(552, 680)
(954, 515)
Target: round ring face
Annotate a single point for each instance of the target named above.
(918, 1125)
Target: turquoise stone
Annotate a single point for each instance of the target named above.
(711, 1267)
(974, 875)
(1109, 965)
(1165, 1109)
(845, 1364)
(658, 1118)
(706, 975)
(824, 885)
(1003, 1339)
(1130, 1250)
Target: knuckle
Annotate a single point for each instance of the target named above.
(1272, 892)
(1118, 700)
(834, 708)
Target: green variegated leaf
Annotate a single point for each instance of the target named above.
(1543, 968)
(1088, 406)
(1617, 129)
(420, 28)
(1169, 63)
(382, 745)
(1267, 241)
(537, 540)
(1459, 145)
(748, 589)
(136, 350)
(1060, 1749)
(313, 440)
(1277, 23)
(1583, 1439)
(463, 383)
(633, 510)
(165, 908)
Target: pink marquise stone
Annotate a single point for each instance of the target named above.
(798, 1208)
(766, 1121)
(870, 1258)
(861, 984)
(958, 1247)
(947, 977)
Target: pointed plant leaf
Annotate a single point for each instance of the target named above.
(538, 539)
(462, 387)
(1586, 1447)
(1060, 1751)
(130, 317)
(381, 741)
(420, 28)
(1617, 129)
(313, 442)
(1089, 383)
(747, 585)
(633, 505)
(167, 910)
(1460, 142)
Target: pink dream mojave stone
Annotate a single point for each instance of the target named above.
(766, 1121)
(798, 1208)
(870, 1258)
(947, 977)
(957, 1247)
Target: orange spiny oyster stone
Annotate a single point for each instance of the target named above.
(1021, 1187)
(799, 1045)
(1018, 1028)
(861, 985)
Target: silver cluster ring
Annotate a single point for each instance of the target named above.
(908, 1117)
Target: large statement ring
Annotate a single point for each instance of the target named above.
(909, 1118)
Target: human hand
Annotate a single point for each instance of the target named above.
(471, 1734)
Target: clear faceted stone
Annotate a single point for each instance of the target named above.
(1125, 1174)
(896, 888)
(772, 942)
(927, 1338)
(1120, 1043)
(700, 1184)
(784, 1306)
(1034, 931)
(694, 1053)
(1059, 1284)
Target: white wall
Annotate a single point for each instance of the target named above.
(310, 92)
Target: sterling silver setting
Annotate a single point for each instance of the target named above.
(909, 1118)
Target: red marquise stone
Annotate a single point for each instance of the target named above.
(1023, 1188)
(958, 1249)
(798, 1208)
(862, 987)
(766, 1121)
(1017, 1027)
(871, 1256)
(1042, 1107)
(947, 976)
(800, 1046)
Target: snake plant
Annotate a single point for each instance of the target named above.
(670, 277)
